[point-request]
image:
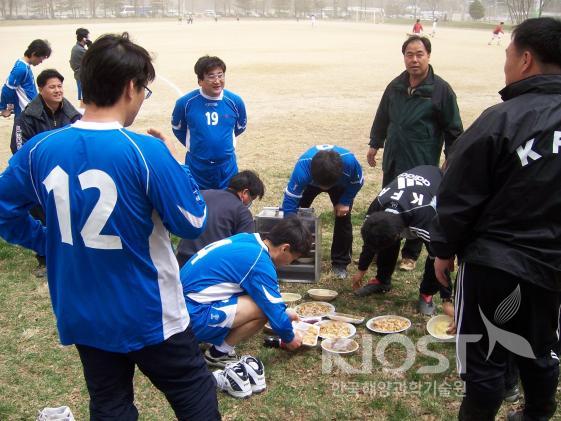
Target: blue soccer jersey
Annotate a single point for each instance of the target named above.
(19, 88)
(208, 126)
(236, 266)
(110, 196)
(301, 177)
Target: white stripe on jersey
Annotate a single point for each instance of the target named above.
(230, 312)
(143, 160)
(22, 97)
(216, 292)
(175, 317)
(274, 300)
(421, 233)
(296, 196)
(196, 221)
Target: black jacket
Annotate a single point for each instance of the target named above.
(38, 118)
(413, 124)
(499, 203)
(412, 195)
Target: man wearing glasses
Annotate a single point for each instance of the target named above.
(206, 121)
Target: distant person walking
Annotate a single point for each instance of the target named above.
(418, 28)
(498, 32)
(433, 32)
(20, 88)
(76, 55)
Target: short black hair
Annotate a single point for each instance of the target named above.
(248, 180)
(110, 63)
(39, 47)
(327, 168)
(206, 63)
(291, 231)
(47, 74)
(381, 229)
(414, 38)
(542, 36)
(81, 33)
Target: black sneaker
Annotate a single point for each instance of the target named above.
(512, 395)
(517, 415)
(374, 286)
(221, 361)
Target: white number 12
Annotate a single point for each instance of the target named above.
(58, 182)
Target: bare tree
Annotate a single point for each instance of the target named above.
(519, 10)
(542, 4)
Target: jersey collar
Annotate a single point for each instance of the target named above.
(212, 98)
(92, 125)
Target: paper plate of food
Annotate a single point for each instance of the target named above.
(388, 324)
(314, 310)
(333, 329)
(321, 294)
(344, 317)
(438, 325)
(340, 346)
(309, 333)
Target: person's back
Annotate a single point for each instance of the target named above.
(111, 197)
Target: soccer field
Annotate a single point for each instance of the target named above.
(302, 85)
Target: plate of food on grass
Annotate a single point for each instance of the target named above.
(388, 324)
(314, 310)
(333, 329)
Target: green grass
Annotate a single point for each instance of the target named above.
(35, 371)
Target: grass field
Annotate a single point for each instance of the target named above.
(302, 86)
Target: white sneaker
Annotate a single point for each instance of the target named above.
(256, 373)
(233, 380)
(62, 413)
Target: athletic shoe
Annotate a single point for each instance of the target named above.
(221, 361)
(512, 395)
(233, 380)
(374, 286)
(517, 415)
(340, 272)
(407, 264)
(62, 413)
(425, 305)
(256, 373)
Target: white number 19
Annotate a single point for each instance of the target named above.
(211, 118)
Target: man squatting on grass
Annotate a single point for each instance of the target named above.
(499, 211)
(110, 196)
(405, 207)
(231, 289)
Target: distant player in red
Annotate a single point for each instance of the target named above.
(418, 28)
(497, 33)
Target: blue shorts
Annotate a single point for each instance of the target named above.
(212, 322)
(79, 90)
(210, 174)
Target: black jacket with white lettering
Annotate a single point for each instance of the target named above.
(412, 195)
(499, 203)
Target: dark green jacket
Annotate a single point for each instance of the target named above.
(413, 124)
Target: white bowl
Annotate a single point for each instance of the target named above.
(305, 260)
(350, 327)
(320, 294)
(340, 346)
(438, 325)
(370, 326)
(290, 297)
(328, 310)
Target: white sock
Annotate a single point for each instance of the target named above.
(225, 348)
